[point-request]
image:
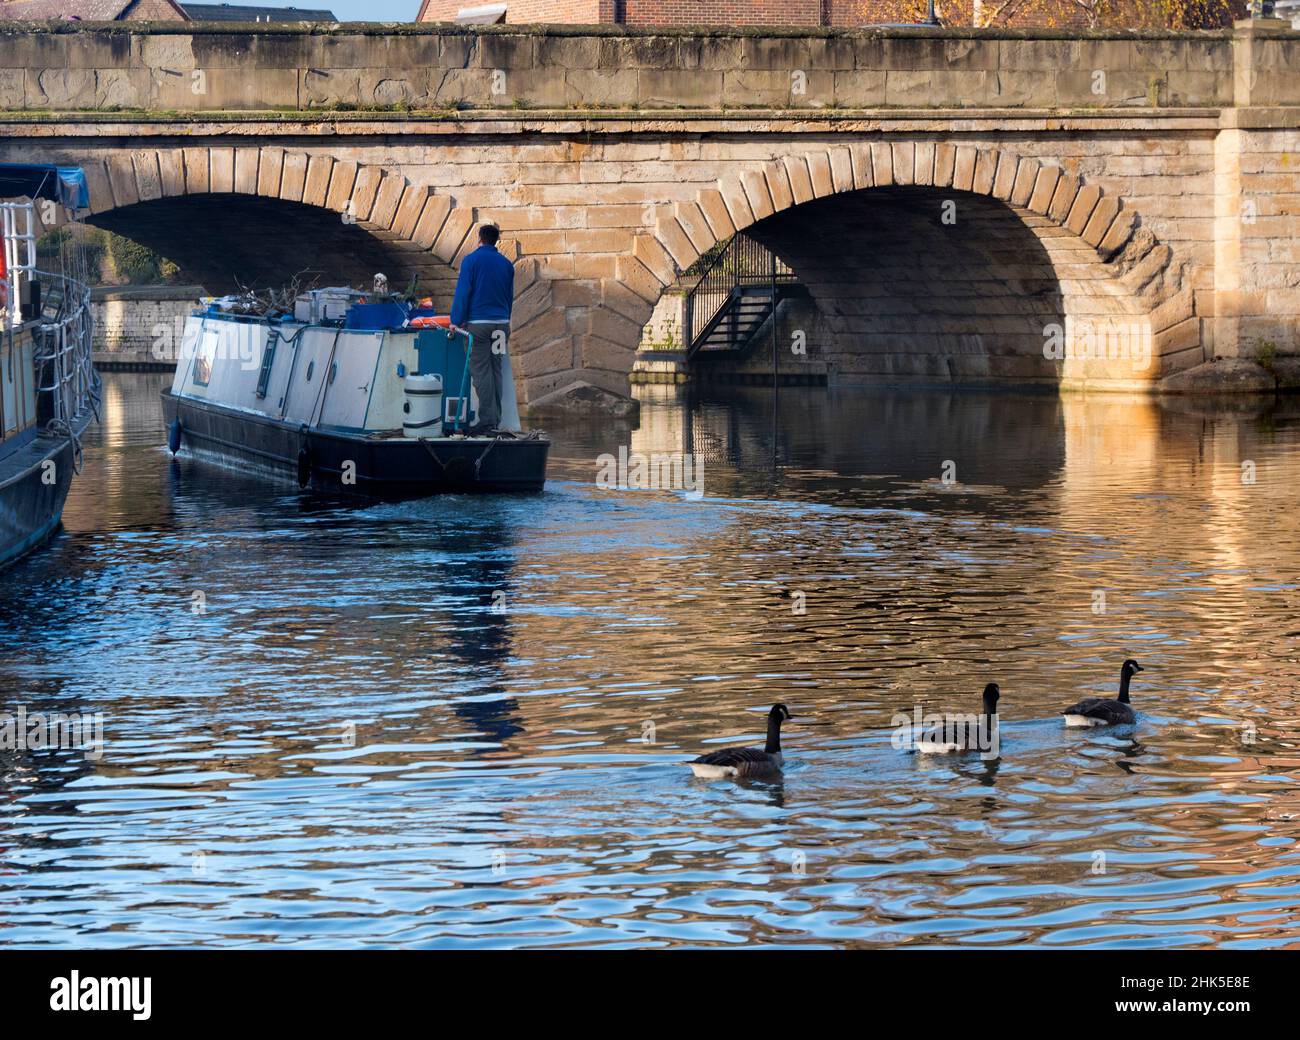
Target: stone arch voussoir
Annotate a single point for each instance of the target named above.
(378, 199)
(1144, 269)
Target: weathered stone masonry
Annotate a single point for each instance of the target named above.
(141, 326)
(1120, 181)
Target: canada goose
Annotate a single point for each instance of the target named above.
(1102, 711)
(746, 761)
(977, 737)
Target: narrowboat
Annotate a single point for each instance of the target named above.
(50, 390)
(353, 392)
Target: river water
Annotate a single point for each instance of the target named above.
(463, 722)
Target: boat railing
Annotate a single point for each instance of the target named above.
(18, 230)
(53, 307)
(64, 344)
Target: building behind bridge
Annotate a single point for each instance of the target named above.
(92, 11)
(152, 11)
(241, 13)
(1064, 14)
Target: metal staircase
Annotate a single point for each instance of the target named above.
(734, 296)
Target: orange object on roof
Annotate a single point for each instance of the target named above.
(438, 321)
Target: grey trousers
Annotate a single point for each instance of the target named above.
(491, 339)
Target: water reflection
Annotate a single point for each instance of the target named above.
(463, 721)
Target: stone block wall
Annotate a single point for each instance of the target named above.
(664, 328)
(444, 68)
(608, 223)
(141, 326)
(1257, 261)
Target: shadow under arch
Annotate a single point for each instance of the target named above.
(366, 217)
(912, 285)
(302, 209)
(225, 242)
(1117, 284)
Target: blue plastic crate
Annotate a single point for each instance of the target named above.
(375, 316)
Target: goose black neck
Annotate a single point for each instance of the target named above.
(1124, 677)
(773, 744)
(990, 705)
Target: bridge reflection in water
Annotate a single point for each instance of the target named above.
(503, 661)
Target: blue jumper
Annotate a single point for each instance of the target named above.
(485, 289)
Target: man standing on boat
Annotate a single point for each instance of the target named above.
(485, 292)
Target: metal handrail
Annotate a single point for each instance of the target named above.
(17, 226)
(462, 401)
(742, 261)
(62, 342)
(63, 355)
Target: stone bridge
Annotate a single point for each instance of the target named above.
(954, 199)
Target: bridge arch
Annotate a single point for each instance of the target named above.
(164, 195)
(366, 217)
(1119, 290)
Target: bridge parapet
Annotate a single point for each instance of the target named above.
(190, 69)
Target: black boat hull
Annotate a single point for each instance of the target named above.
(33, 492)
(338, 461)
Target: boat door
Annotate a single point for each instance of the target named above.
(308, 380)
(350, 381)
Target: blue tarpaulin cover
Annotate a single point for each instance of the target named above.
(64, 184)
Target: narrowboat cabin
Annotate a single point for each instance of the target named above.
(354, 392)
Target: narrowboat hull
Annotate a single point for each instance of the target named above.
(380, 465)
(35, 475)
(48, 386)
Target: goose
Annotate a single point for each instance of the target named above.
(746, 761)
(972, 739)
(1102, 711)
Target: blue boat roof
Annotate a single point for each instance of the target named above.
(64, 184)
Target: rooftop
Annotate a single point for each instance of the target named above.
(240, 13)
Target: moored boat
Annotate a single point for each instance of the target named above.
(352, 392)
(48, 386)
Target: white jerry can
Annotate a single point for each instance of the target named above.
(422, 410)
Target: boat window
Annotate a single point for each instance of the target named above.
(311, 367)
(207, 353)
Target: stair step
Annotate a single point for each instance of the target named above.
(733, 307)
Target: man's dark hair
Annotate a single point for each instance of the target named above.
(489, 234)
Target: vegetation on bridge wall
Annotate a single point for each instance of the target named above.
(1080, 14)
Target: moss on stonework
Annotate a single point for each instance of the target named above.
(693, 32)
(349, 112)
(514, 112)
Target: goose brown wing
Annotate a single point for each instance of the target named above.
(1085, 706)
(733, 756)
(1101, 708)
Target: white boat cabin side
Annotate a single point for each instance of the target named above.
(317, 376)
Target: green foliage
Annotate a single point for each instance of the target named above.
(90, 241)
(138, 264)
(111, 259)
(1266, 352)
(666, 339)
